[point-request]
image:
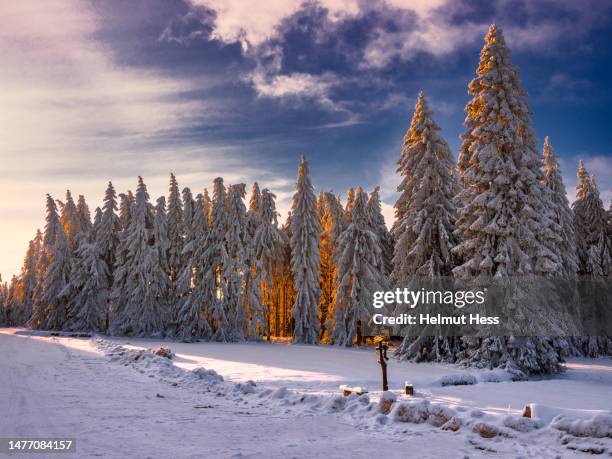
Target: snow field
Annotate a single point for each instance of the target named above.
(391, 412)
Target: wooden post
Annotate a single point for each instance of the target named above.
(409, 389)
(382, 359)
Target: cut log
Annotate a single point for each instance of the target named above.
(347, 390)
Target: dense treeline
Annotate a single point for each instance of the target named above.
(209, 267)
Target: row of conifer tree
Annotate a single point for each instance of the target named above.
(210, 268)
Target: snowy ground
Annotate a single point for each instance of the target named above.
(119, 406)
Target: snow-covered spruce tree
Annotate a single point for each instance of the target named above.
(378, 225)
(97, 223)
(425, 221)
(505, 220)
(591, 226)
(89, 288)
(258, 317)
(350, 200)
(57, 273)
(305, 258)
(10, 301)
(76, 220)
(568, 249)
(28, 280)
(331, 214)
(425, 211)
(162, 244)
(182, 285)
(594, 250)
(188, 203)
(160, 234)
(240, 290)
(267, 246)
(145, 281)
(215, 259)
(119, 292)
(126, 201)
(562, 212)
(52, 227)
(285, 285)
(84, 224)
(254, 212)
(192, 317)
(358, 275)
(175, 233)
(107, 234)
(70, 220)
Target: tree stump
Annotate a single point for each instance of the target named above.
(409, 389)
(527, 411)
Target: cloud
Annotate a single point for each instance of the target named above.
(73, 116)
(296, 85)
(253, 26)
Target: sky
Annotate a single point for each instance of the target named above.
(99, 90)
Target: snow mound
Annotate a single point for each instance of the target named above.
(489, 430)
(336, 403)
(163, 351)
(208, 375)
(495, 376)
(461, 379)
(599, 426)
(548, 413)
(522, 424)
(414, 411)
(387, 399)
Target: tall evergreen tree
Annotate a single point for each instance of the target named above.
(350, 200)
(84, 224)
(89, 288)
(29, 279)
(237, 277)
(305, 259)
(175, 231)
(377, 224)
(11, 303)
(97, 223)
(590, 220)
(425, 210)
(126, 201)
(267, 247)
(58, 265)
(145, 281)
(52, 227)
(561, 209)
(192, 317)
(358, 274)
(162, 245)
(107, 235)
(425, 220)
(331, 214)
(160, 235)
(215, 263)
(505, 221)
(70, 221)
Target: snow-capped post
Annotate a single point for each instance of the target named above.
(409, 388)
(382, 348)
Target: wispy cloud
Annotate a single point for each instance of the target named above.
(73, 117)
